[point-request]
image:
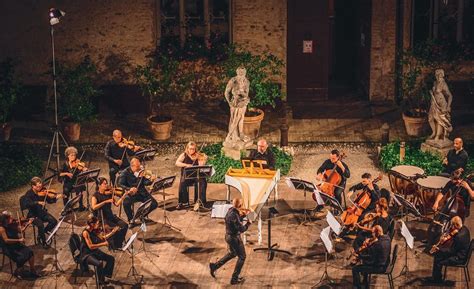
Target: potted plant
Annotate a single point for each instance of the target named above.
(76, 90)
(263, 92)
(159, 82)
(416, 96)
(10, 90)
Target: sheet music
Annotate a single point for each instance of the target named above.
(319, 199)
(130, 241)
(326, 239)
(407, 235)
(333, 223)
(55, 229)
(143, 227)
(289, 183)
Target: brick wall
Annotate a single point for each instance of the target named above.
(260, 26)
(117, 34)
(382, 59)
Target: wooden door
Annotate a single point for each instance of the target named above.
(307, 49)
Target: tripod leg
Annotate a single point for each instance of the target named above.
(50, 154)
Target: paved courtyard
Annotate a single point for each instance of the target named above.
(179, 259)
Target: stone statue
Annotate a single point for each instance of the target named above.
(439, 116)
(237, 96)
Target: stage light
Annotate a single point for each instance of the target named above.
(54, 15)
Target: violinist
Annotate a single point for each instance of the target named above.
(117, 152)
(101, 205)
(263, 153)
(35, 201)
(454, 254)
(234, 226)
(92, 239)
(12, 243)
(132, 180)
(370, 187)
(71, 168)
(191, 157)
(380, 218)
(334, 162)
(374, 257)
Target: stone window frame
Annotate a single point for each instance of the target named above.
(208, 19)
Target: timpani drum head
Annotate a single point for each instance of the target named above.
(432, 182)
(408, 171)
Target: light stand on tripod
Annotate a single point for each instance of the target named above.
(54, 15)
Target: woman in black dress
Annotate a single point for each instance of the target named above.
(71, 168)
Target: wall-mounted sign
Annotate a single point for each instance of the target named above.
(307, 46)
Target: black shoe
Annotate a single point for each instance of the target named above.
(212, 269)
(431, 281)
(237, 281)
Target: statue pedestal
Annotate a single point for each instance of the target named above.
(233, 149)
(439, 147)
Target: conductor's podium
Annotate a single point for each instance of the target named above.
(255, 185)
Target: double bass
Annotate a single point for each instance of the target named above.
(351, 215)
(331, 179)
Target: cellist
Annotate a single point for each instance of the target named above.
(367, 184)
(334, 162)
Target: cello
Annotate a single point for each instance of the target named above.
(331, 179)
(363, 199)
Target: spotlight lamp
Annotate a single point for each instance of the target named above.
(54, 15)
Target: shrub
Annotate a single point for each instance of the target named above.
(17, 166)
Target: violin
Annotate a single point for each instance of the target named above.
(331, 179)
(128, 143)
(77, 164)
(368, 218)
(367, 244)
(351, 215)
(243, 212)
(48, 192)
(446, 240)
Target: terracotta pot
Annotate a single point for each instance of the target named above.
(415, 126)
(5, 131)
(72, 130)
(252, 124)
(160, 130)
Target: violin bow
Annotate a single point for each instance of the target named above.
(82, 155)
(46, 195)
(125, 148)
(19, 225)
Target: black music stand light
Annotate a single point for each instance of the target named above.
(68, 209)
(84, 178)
(271, 247)
(198, 173)
(305, 186)
(160, 187)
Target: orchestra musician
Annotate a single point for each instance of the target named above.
(189, 158)
(381, 218)
(459, 238)
(368, 185)
(465, 191)
(340, 167)
(263, 153)
(101, 205)
(117, 150)
(234, 226)
(12, 242)
(71, 168)
(92, 239)
(456, 158)
(132, 179)
(35, 201)
(374, 258)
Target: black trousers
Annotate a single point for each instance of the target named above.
(119, 237)
(138, 197)
(442, 258)
(183, 196)
(338, 195)
(97, 260)
(357, 270)
(236, 249)
(39, 223)
(68, 190)
(112, 174)
(19, 253)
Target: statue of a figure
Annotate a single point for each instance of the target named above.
(238, 86)
(439, 115)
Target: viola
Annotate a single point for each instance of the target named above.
(367, 244)
(351, 215)
(331, 179)
(446, 240)
(77, 164)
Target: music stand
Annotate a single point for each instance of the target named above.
(271, 247)
(329, 248)
(56, 265)
(146, 154)
(133, 271)
(159, 187)
(84, 178)
(407, 208)
(306, 186)
(332, 202)
(68, 208)
(142, 211)
(198, 173)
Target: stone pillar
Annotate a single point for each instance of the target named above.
(182, 24)
(207, 23)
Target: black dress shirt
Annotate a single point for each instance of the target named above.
(374, 194)
(233, 223)
(328, 165)
(456, 160)
(114, 152)
(378, 254)
(31, 200)
(266, 156)
(466, 197)
(128, 180)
